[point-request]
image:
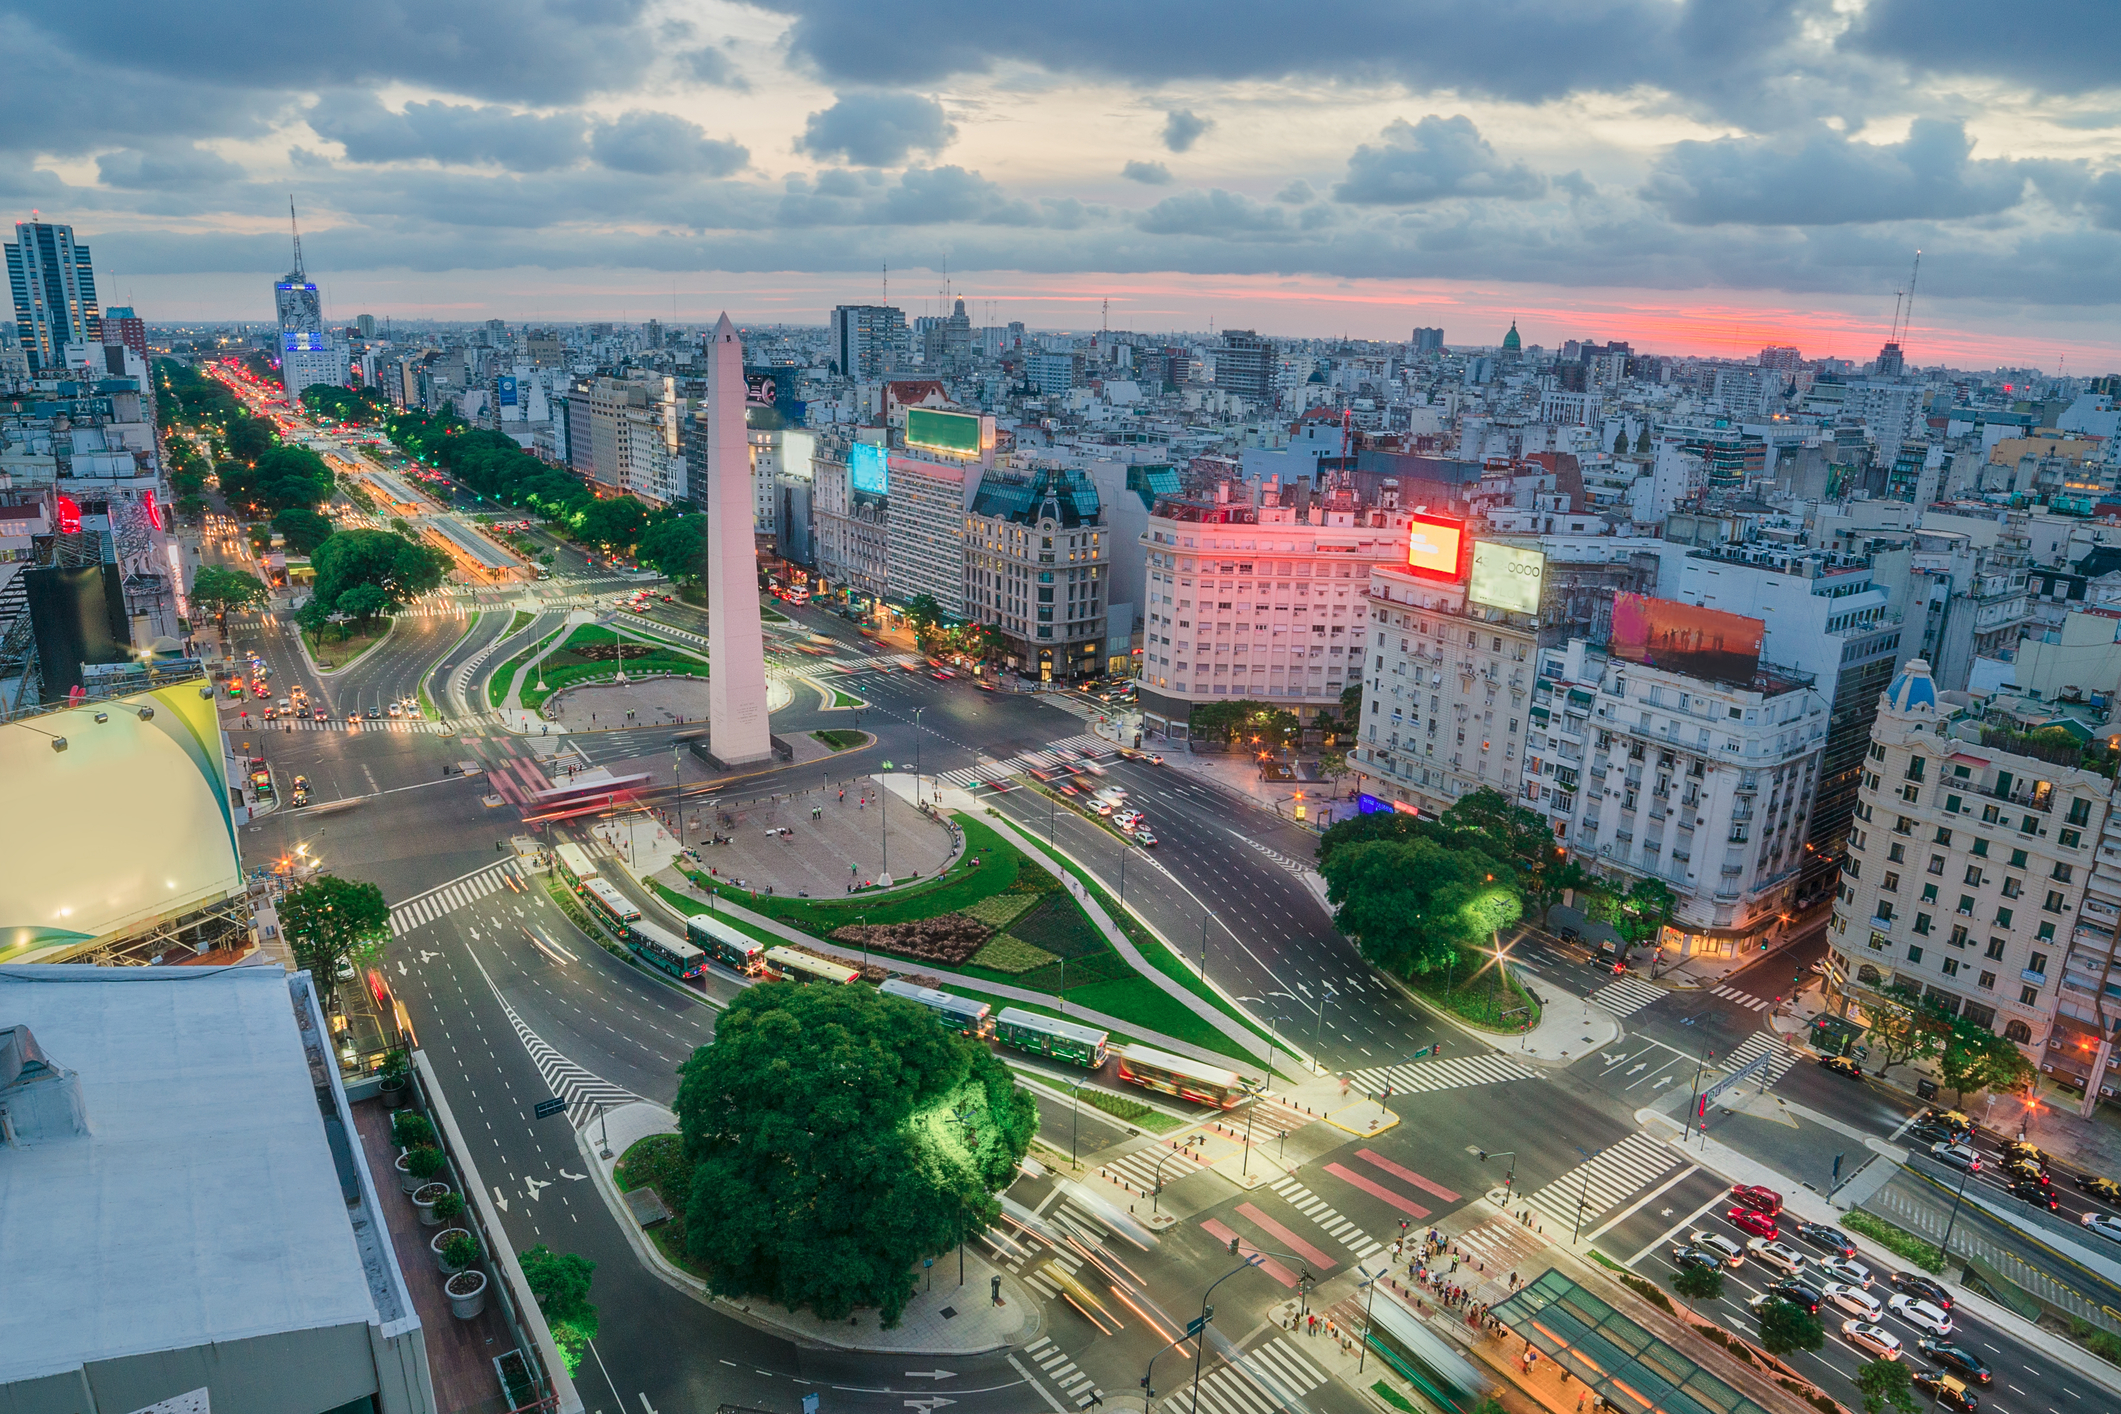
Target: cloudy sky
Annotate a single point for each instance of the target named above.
(1695, 175)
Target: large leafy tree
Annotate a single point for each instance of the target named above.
(399, 567)
(1976, 1058)
(676, 546)
(559, 1282)
(1883, 1382)
(361, 603)
(1417, 906)
(281, 477)
(838, 1137)
(218, 589)
(1245, 720)
(1906, 1025)
(304, 529)
(1700, 1283)
(1785, 1326)
(1490, 820)
(330, 920)
(616, 521)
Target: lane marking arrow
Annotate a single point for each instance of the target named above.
(533, 1187)
(931, 1374)
(575, 1177)
(500, 1200)
(1638, 1066)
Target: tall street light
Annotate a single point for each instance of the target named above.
(917, 754)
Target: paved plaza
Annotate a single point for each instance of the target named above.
(835, 833)
(644, 702)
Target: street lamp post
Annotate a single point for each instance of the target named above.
(917, 754)
(1584, 1201)
(1326, 994)
(1944, 1248)
(1509, 1179)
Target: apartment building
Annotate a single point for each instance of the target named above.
(2080, 1043)
(926, 531)
(1037, 563)
(852, 528)
(1967, 867)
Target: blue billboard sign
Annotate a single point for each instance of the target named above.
(868, 469)
(505, 392)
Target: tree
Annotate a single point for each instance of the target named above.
(611, 523)
(219, 590)
(304, 530)
(1906, 1025)
(1414, 906)
(1491, 821)
(1640, 914)
(838, 1136)
(1351, 706)
(1976, 1058)
(923, 612)
(676, 546)
(1786, 1326)
(1700, 1283)
(361, 603)
(559, 1281)
(330, 920)
(279, 478)
(1884, 1382)
(399, 567)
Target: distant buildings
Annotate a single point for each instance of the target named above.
(868, 341)
(1425, 341)
(54, 286)
(309, 353)
(1244, 365)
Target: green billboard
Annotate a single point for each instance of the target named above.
(954, 433)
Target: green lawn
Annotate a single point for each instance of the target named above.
(519, 622)
(497, 686)
(1482, 999)
(845, 699)
(565, 666)
(338, 651)
(841, 740)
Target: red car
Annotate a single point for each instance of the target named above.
(1758, 1224)
(1752, 1195)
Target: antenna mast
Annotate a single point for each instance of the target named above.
(1912, 278)
(887, 282)
(297, 229)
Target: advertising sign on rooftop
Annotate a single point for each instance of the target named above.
(954, 434)
(1686, 638)
(1436, 548)
(868, 470)
(1505, 577)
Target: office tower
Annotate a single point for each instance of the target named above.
(1427, 341)
(737, 730)
(366, 323)
(54, 288)
(1050, 610)
(870, 340)
(1244, 365)
(1781, 357)
(308, 353)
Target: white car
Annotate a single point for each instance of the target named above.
(1852, 1299)
(1846, 1269)
(1959, 1156)
(1733, 1255)
(1778, 1255)
(2107, 1227)
(1876, 1339)
(1920, 1314)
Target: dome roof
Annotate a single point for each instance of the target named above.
(1912, 690)
(1511, 343)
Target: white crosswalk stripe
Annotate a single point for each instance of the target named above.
(385, 724)
(1628, 996)
(1608, 1180)
(1451, 1073)
(448, 898)
(1046, 758)
(1056, 1365)
(1143, 1168)
(1754, 1045)
(1744, 999)
(1325, 1216)
(1270, 1377)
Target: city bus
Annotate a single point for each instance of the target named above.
(1047, 1036)
(610, 905)
(960, 1014)
(574, 865)
(664, 950)
(792, 966)
(1193, 1080)
(726, 945)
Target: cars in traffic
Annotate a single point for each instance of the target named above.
(2104, 1188)
(1919, 1314)
(1684, 1257)
(1827, 1238)
(1757, 1223)
(1852, 1299)
(1846, 1269)
(1947, 1391)
(1706, 1241)
(1797, 1293)
(1959, 1156)
(1841, 1065)
(2105, 1226)
(1955, 1358)
(1779, 1255)
(1915, 1284)
(1760, 1200)
(1871, 1338)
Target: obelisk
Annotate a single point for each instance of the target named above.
(737, 728)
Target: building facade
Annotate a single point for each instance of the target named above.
(54, 286)
(926, 530)
(870, 341)
(1037, 563)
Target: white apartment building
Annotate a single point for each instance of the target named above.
(925, 531)
(1259, 600)
(1967, 866)
(2088, 1001)
(773, 454)
(1706, 785)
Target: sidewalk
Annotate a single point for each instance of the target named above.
(942, 1319)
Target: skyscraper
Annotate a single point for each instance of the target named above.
(1244, 365)
(54, 288)
(870, 340)
(308, 353)
(1426, 340)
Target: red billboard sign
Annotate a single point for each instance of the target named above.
(1686, 638)
(1437, 548)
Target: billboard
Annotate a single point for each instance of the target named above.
(505, 392)
(1436, 547)
(955, 434)
(1686, 638)
(868, 470)
(1505, 577)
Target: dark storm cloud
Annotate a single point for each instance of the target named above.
(2060, 46)
(451, 133)
(1431, 160)
(877, 129)
(1830, 179)
(652, 144)
(1183, 127)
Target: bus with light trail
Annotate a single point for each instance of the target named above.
(1193, 1080)
(726, 945)
(792, 966)
(960, 1014)
(1048, 1036)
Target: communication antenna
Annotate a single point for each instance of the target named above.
(1107, 316)
(1913, 277)
(296, 227)
(887, 282)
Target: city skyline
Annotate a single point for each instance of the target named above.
(1696, 187)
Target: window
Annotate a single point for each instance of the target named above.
(2037, 963)
(2054, 901)
(2047, 932)
(1944, 836)
(2061, 874)
(1915, 768)
(1923, 926)
(1914, 954)
(2017, 859)
(2080, 811)
(2013, 887)
(1912, 794)
(1903, 826)
(2071, 839)
(1958, 937)
(1973, 876)
(1953, 805)
(1986, 981)
(2018, 1031)
(1937, 865)
(1995, 948)
(1951, 967)
(2003, 918)
(1885, 910)
(1929, 893)
(1890, 883)
(1897, 854)
(1966, 905)
(1980, 848)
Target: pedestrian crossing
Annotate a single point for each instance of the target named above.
(1272, 1376)
(1046, 758)
(1452, 1074)
(425, 909)
(1142, 1169)
(1744, 999)
(1760, 1043)
(412, 725)
(1057, 1367)
(1607, 1180)
(1628, 995)
(887, 662)
(1322, 1213)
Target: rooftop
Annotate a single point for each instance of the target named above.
(202, 1205)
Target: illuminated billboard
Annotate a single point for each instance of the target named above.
(868, 470)
(1436, 548)
(1686, 638)
(504, 392)
(955, 434)
(1505, 577)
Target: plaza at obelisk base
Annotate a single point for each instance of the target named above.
(737, 730)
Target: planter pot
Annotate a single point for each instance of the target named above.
(435, 1247)
(408, 1181)
(467, 1293)
(393, 1092)
(424, 1201)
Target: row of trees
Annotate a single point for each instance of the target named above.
(1908, 1025)
(1248, 722)
(363, 573)
(937, 633)
(284, 477)
(345, 405)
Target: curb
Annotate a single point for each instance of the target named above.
(302, 647)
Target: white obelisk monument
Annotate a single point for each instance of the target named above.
(736, 681)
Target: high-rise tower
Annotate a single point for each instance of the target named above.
(308, 353)
(54, 289)
(738, 733)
